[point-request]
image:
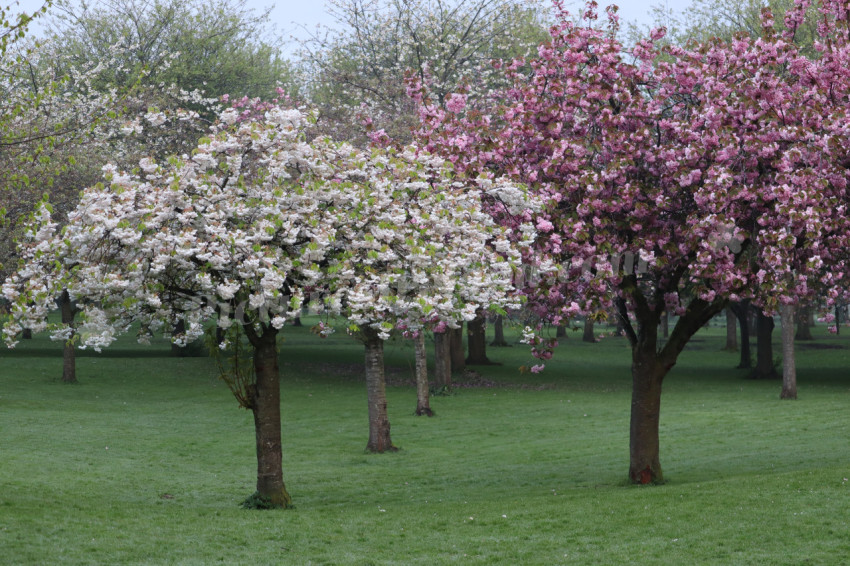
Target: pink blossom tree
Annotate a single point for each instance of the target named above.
(676, 179)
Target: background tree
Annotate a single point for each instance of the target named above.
(215, 47)
(703, 20)
(357, 70)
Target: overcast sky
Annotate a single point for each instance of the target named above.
(296, 17)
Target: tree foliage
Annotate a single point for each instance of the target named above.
(250, 225)
(358, 69)
(216, 47)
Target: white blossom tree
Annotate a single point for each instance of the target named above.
(357, 68)
(420, 253)
(246, 227)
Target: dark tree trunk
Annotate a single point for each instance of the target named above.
(644, 453)
(26, 334)
(731, 331)
(561, 331)
(477, 340)
(69, 363)
(789, 366)
(839, 317)
(499, 333)
(423, 402)
(765, 369)
(588, 335)
(620, 330)
(456, 341)
(179, 351)
(804, 331)
(665, 324)
(742, 312)
(376, 390)
(265, 404)
(297, 321)
(650, 364)
(754, 320)
(442, 360)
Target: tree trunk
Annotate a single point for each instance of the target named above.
(423, 401)
(742, 312)
(69, 353)
(620, 329)
(477, 340)
(26, 334)
(754, 319)
(665, 324)
(442, 361)
(499, 333)
(804, 331)
(376, 390)
(839, 317)
(649, 366)
(789, 367)
(644, 453)
(561, 331)
(731, 331)
(179, 351)
(297, 321)
(456, 341)
(765, 369)
(265, 404)
(588, 336)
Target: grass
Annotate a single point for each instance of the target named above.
(147, 459)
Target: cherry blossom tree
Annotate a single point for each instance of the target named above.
(676, 179)
(247, 226)
(233, 231)
(421, 254)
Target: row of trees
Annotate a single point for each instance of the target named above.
(670, 179)
(252, 223)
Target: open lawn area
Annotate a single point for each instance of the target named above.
(147, 460)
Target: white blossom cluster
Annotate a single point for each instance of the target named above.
(255, 221)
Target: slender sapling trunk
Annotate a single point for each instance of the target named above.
(423, 402)
(789, 366)
(69, 362)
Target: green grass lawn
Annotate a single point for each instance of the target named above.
(147, 459)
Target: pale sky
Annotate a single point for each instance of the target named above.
(295, 17)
